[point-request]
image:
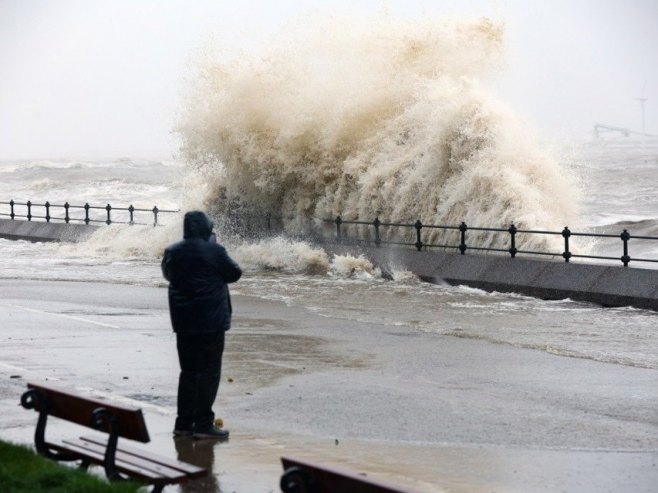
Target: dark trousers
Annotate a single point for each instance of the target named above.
(200, 358)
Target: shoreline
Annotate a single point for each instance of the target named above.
(432, 412)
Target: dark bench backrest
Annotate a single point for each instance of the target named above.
(79, 409)
(333, 480)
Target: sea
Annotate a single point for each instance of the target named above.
(391, 121)
(618, 193)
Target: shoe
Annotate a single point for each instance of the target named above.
(212, 432)
(182, 433)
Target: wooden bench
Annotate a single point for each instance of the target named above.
(303, 476)
(120, 462)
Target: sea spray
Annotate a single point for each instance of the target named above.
(127, 242)
(282, 254)
(356, 267)
(278, 254)
(368, 118)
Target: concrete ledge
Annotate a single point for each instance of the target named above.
(41, 231)
(546, 279)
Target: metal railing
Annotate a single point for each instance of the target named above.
(47, 211)
(270, 224)
(511, 232)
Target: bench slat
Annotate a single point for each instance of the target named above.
(122, 457)
(78, 409)
(190, 470)
(96, 458)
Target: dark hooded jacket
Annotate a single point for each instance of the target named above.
(198, 272)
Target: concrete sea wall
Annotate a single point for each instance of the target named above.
(42, 231)
(605, 285)
(546, 279)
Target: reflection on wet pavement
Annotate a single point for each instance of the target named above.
(200, 453)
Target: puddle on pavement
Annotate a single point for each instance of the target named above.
(257, 359)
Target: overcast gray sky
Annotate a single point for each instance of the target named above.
(87, 78)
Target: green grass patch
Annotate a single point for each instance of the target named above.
(23, 471)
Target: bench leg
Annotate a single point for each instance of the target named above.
(30, 400)
(84, 465)
(101, 418)
(298, 480)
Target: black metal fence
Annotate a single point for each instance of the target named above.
(270, 224)
(84, 213)
(511, 232)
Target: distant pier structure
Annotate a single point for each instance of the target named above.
(600, 128)
(603, 128)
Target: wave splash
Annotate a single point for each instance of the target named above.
(372, 119)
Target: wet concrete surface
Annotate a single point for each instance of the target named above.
(608, 285)
(432, 412)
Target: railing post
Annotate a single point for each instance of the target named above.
(87, 213)
(66, 212)
(462, 244)
(131, 210)
(566, 234)
(29, 210)
(419, 244)
(625, 236)
(512, 249)
(155, 216)
(108, 208)
(11, 204)
(376, 223)
(339, 221)
(47, 204)
(268, 219)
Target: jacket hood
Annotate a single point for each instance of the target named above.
(197, 224)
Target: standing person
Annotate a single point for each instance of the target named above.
(198, 271)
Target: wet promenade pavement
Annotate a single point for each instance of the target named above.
(432, 412)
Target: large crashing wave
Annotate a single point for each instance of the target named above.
(371, 119)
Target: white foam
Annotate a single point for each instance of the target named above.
(282, 254)
(353, 267)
